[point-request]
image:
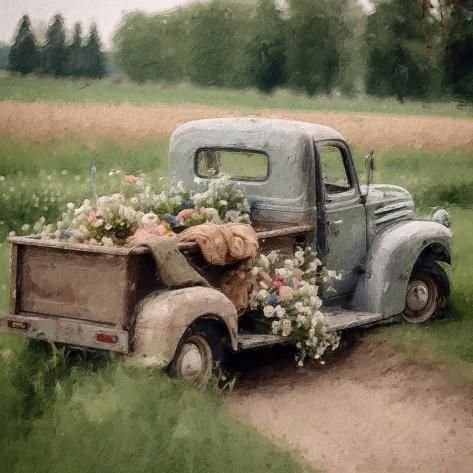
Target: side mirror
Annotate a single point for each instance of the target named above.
(370, 166)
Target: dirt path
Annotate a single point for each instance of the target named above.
(44, 121)
(372, 412)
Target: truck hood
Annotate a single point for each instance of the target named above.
(387, 204)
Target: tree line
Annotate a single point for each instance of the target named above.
(405, 48)
(81, 57)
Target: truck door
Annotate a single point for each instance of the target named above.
(341, 213)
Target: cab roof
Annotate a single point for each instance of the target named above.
(242, 129)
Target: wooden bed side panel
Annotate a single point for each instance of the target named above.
(72, 284)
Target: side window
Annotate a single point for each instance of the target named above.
(334, 172)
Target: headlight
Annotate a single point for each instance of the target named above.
(441, 216)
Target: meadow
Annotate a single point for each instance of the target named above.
(135, 420)
(30, 89)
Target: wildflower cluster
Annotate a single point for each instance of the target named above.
(138, 211)
(286, 294)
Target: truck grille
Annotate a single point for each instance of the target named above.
(387, 214)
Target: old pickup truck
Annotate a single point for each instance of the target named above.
(301, 181)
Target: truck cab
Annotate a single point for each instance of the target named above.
(302, 173)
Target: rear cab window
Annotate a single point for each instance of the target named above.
(237, 164)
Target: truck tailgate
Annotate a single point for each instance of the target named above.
(62, 330)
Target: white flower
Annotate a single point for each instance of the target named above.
(70, 205)
(149, 217)
(25, 227)
(280, 311)
(286, 327)
(299, 255)
(262, 295)
(276, 326)
(107, 241)
(268, 311)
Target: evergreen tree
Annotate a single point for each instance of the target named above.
(94, 59)
(266, 52)
(398, 61)
(55, 51)
(75, 54)
(23, 56)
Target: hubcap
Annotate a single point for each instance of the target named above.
(194, 363)
(421, 300)
(417, 296)
(191, 362)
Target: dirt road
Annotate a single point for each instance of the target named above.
(372, 412)
(44, 121)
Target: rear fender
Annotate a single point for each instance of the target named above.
(164, 316)
(391, 258)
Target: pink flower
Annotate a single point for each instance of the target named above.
(130, 179)
(184, 214)
(298, 274)
(285, 292)
(139, 236)
(91, 217)
(278, 281)
(154, 229)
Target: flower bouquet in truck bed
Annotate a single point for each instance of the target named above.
(283, 293)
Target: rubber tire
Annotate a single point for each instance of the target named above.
(430, 272)
(207, 331)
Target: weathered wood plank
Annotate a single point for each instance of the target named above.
(14, 286)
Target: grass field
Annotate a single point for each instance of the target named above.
(41, 178)
(46, 89)
(132, 420)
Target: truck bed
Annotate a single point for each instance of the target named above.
(101, 286)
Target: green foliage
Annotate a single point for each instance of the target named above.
(318, 34)
(93, 57)
(152, 47)
(266, 53)
(398, 61)
(218, 33)
(54, 53)
(23, 56)
(458, 57)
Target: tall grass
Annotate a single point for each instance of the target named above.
(31, 89)
(67, 412)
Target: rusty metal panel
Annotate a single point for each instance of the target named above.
(73, 284)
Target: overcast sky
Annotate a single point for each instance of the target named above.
(106, 13)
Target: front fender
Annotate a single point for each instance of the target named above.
(391, 258)
(164, 316)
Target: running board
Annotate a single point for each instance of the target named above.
(341, 319)
(247, 341)
(337, 319)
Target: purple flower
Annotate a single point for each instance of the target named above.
(273, 299)
(171, 219)
(65, 234)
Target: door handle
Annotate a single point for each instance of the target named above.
(333, 226)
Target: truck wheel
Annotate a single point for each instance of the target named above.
(198, 355)
(426, 294)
